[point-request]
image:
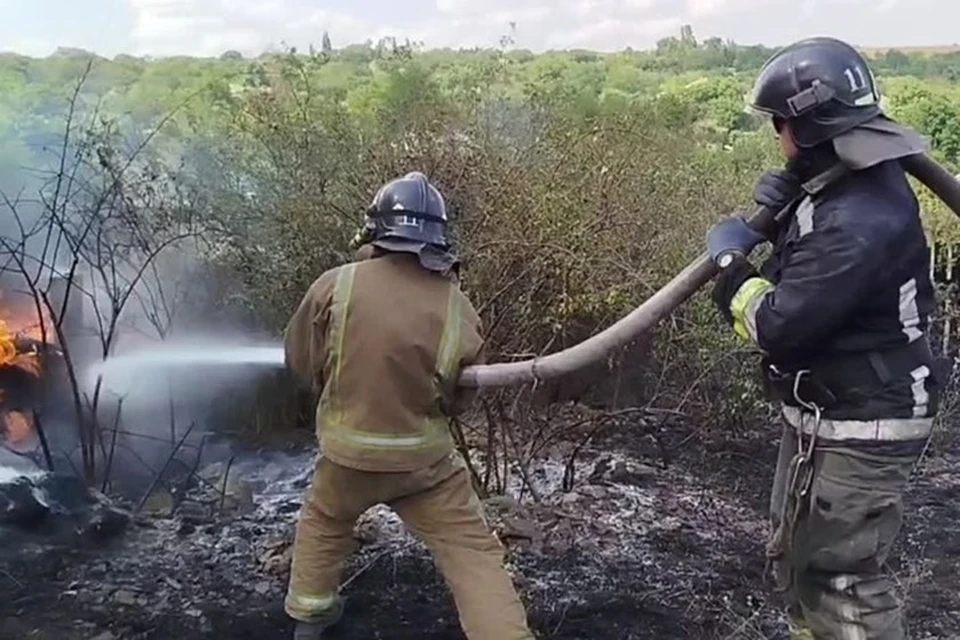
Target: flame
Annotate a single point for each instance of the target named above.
(11, 357)
(8, 350)
(21, 321)
(18, 322)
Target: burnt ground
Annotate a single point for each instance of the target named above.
(641, 548)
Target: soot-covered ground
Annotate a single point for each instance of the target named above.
(639, 549)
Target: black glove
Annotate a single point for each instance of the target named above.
(731, 237)
(776, 188)
(728, 282)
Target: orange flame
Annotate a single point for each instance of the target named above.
(10, 356)
(8, 350)
(19, 321)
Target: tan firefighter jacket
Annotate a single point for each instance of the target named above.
(382, 341)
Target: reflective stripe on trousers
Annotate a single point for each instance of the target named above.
(310, 608)
(434, 431)
(882, 429)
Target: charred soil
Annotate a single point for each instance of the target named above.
(640, 548)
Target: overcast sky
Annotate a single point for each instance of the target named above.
(209, 27)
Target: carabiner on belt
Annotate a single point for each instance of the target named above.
(805, 454)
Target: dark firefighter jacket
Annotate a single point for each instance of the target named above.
(382, 341)
(846, 295)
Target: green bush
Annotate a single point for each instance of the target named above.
(568, 213)
(579, 183)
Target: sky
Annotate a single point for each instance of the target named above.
(210, 27)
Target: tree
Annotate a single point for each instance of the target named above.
(326, 46)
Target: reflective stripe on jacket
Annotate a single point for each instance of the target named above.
(849, 276)
(382, 341)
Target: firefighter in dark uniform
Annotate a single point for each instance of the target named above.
(841, 311)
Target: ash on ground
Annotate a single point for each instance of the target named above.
(636, 549)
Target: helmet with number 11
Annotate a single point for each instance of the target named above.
(822, 86)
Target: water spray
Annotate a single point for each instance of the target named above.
(166, 356)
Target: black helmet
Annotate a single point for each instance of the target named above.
(408, 210)
(822, 86)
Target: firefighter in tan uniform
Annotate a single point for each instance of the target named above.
(382, 341)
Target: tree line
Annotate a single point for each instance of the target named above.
(578, 182)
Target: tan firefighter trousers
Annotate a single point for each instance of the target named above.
(440, 506)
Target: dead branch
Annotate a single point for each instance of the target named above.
(113, 445)
(491, 450)
(456, 429)
(359, 572)
(523, 466)
(42, 435)
(158, 474)
(182, 494)
(223, 489)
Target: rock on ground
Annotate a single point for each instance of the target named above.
(54, 511)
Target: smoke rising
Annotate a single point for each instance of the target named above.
(116, 244)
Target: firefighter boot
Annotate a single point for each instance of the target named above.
(306, 631)
(314, 630)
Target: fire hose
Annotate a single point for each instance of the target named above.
(645, 317)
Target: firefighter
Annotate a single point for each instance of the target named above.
(382, 341)
(840, 311)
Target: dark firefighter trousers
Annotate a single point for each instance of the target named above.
(830, 561)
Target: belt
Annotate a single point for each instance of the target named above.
(850, 379)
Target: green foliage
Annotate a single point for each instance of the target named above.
(570, 210)
(579, 182)
(932, 108)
